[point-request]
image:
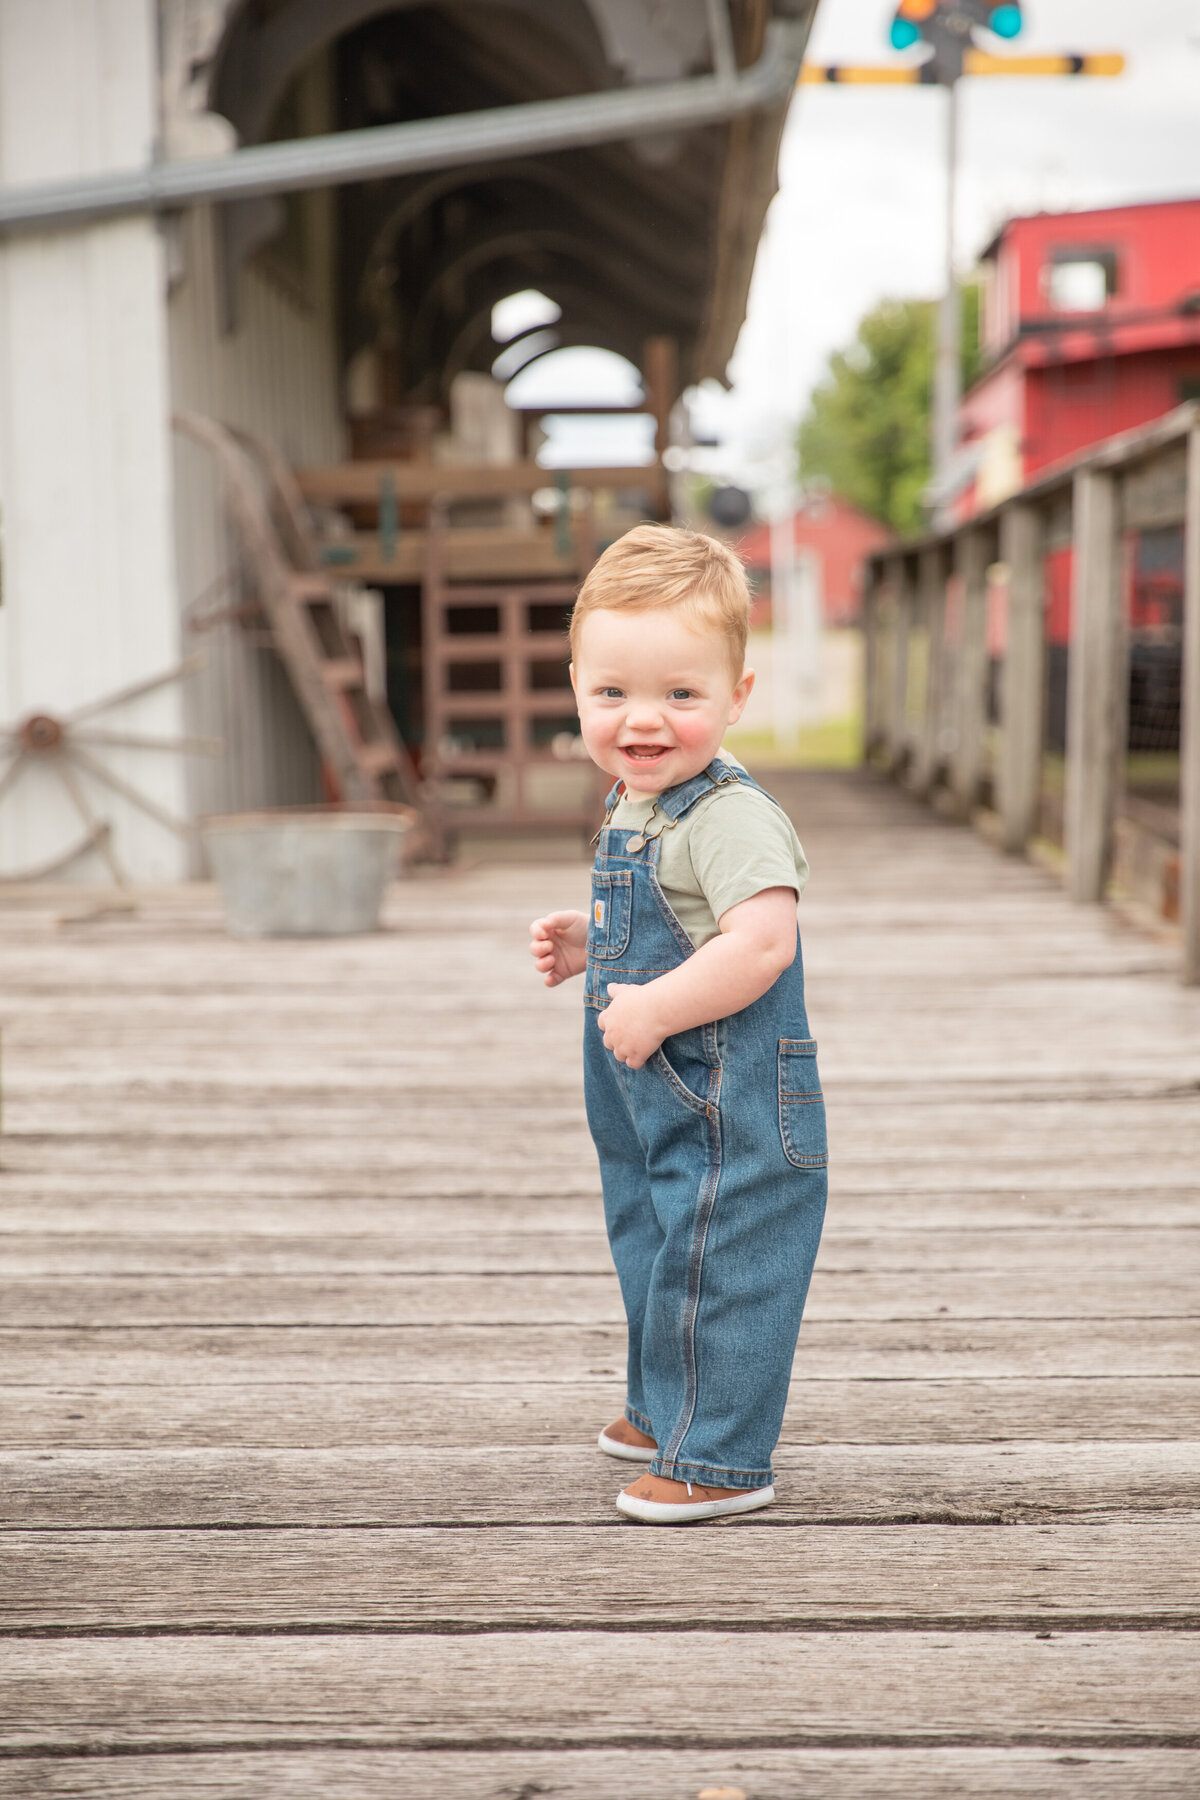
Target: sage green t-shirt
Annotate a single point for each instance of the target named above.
(729, 847)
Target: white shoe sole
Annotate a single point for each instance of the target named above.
(666, 1512)
(627, 1452)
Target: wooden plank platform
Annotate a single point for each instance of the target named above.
(308, 1327)
(481, 553)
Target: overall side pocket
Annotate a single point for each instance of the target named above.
(677, 1085)
(801, 1104)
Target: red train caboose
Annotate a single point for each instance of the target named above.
(1091, 326)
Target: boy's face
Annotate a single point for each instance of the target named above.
(655, 695)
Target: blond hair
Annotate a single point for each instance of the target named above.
(659, 566)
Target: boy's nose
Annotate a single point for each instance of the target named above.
(643, 717)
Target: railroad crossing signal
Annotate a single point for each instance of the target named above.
(975, 62)
(948, 28)
(923, 18)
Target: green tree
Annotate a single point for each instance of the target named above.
(867, 427)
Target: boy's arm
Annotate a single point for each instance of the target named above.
(558, 945)
(757, 943)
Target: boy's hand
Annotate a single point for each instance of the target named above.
(559, 946)
(631, 1030)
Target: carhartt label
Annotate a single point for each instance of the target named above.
(598, 912)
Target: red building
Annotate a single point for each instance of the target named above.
(1091, 326)
(839, 537)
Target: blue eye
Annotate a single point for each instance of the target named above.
(680, 694)
(611, 693)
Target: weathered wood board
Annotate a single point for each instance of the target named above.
(716, 1690)
(227, 1249)
(320, 1413)
(150, 1207)
(899, 1772)
(157, 1298)
(600, 1575)
(513, 1350)
(564, 1485)
(307, 1325)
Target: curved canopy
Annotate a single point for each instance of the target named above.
(631, 240)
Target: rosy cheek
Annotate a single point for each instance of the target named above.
(692, 730)
(598, 730)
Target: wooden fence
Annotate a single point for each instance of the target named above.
(956, 658)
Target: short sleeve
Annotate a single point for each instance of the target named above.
(741, 843)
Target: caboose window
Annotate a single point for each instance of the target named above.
(1080, 281)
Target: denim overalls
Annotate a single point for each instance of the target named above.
(713, 1161)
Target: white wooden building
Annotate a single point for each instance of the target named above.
(138, 280)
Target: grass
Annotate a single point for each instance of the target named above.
(1144, 771)
(833, 744)
(1147, 770)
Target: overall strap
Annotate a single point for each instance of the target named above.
(674, 803)
(680, 800)
(677, 801)
(610, 807)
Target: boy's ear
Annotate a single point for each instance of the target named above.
(741, 694)
(574, 683)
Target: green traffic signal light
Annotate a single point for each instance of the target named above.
(949, 27)
(904, 34)
(1006, 21)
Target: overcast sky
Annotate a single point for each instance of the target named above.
(859, 211)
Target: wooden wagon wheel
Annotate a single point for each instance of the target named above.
(66, 746)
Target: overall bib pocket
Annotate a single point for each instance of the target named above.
(801, 1106)
(612, 908)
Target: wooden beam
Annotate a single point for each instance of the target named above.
(931, 602)
(1155, 491)
(637, 411)
(903, 605)
(971, 556)
(660, 378)
(545, 703)
(1124, 453)
(358, 483)
(873, 721)
(660, 375)
(1189, 813)
(1023, 677)
(1097, 683)
(483, 554)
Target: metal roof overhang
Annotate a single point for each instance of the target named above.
(563, 192)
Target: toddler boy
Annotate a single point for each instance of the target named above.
(700, 1077)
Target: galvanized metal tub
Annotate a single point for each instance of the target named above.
(305, 871)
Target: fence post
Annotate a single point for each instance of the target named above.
(1097, 685)
(872, 721)
(1022, 677)
(898, 723)
(1189, 807)
(970, 708)
(931, 583)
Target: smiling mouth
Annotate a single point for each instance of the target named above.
(645, 753)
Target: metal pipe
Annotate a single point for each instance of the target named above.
(720, 37)
(380, 150)
(947, 375)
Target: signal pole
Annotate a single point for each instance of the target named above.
(947, 365)
(948, 27)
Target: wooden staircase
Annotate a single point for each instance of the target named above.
(362, 751)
